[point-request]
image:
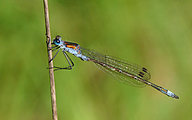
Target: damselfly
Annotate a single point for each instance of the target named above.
(121, 70)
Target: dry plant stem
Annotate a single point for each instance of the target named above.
(51, 72)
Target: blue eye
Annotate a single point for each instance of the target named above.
(56, 41)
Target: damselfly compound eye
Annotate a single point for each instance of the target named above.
(57, 41)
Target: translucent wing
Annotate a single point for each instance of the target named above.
(113, 66)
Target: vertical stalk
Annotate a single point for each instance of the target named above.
(51, 72)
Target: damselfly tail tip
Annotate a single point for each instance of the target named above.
(176, 97)
(171, 94)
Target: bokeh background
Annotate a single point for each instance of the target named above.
(154, 34)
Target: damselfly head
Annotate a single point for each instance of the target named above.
(57, 40)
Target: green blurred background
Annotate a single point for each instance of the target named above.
(154, 34)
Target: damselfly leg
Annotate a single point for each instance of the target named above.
(70, 62)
